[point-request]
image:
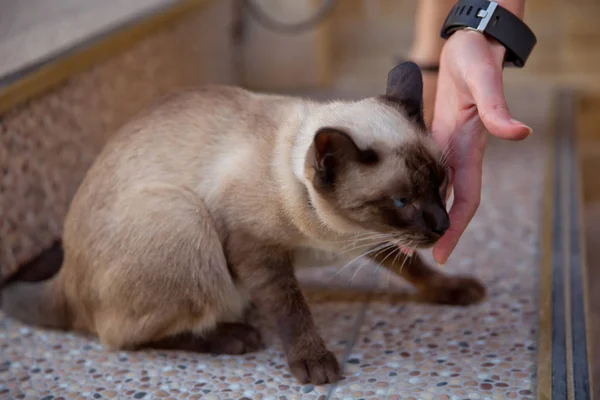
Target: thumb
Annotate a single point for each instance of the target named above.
(486, 86)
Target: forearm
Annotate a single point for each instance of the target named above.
(516, 7)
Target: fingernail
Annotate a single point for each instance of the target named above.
(442, 265)
(515, 122)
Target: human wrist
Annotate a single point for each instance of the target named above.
(497, 50)
(501, 20)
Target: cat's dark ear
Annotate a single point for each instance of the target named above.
(405, 87)
(333, 150)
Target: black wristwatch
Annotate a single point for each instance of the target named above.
(490, 18)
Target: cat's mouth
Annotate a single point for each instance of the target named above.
(416, 244)
(409, 251)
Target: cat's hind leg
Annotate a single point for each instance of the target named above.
(226, 338)
(167, 284)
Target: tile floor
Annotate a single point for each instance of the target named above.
(390, 348)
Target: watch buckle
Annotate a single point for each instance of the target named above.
(486, 16)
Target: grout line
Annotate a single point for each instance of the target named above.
(350, 345)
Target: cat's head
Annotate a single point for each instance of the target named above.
(373, 166)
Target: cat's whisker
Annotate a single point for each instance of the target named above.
(444, 155)
(389, 254)
(406, 256)
(446, 152)
(361, 255)
(396, 258)
(403, 242)
(350, 246)
(414, 250)
(395, 249)
(371, 240)
(365, 262)
(374, 243)
(373, 236)
(358, 237)
(389, 245)
(375, 240)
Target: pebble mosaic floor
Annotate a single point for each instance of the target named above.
(390, 348)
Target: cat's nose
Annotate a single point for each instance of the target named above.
(442, 225)
(437, 220)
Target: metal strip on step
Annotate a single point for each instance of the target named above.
(570, 368)
(581, 371)
(559, 353)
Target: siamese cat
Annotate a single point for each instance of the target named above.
(198, 208)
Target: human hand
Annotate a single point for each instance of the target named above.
(469, 103)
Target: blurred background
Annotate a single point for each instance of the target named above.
(72, 71)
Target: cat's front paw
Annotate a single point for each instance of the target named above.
(455, 290)
(316, 370)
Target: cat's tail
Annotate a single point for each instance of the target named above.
(34, 295)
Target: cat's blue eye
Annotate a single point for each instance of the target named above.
(400, 202)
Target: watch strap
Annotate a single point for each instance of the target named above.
(492, 19)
